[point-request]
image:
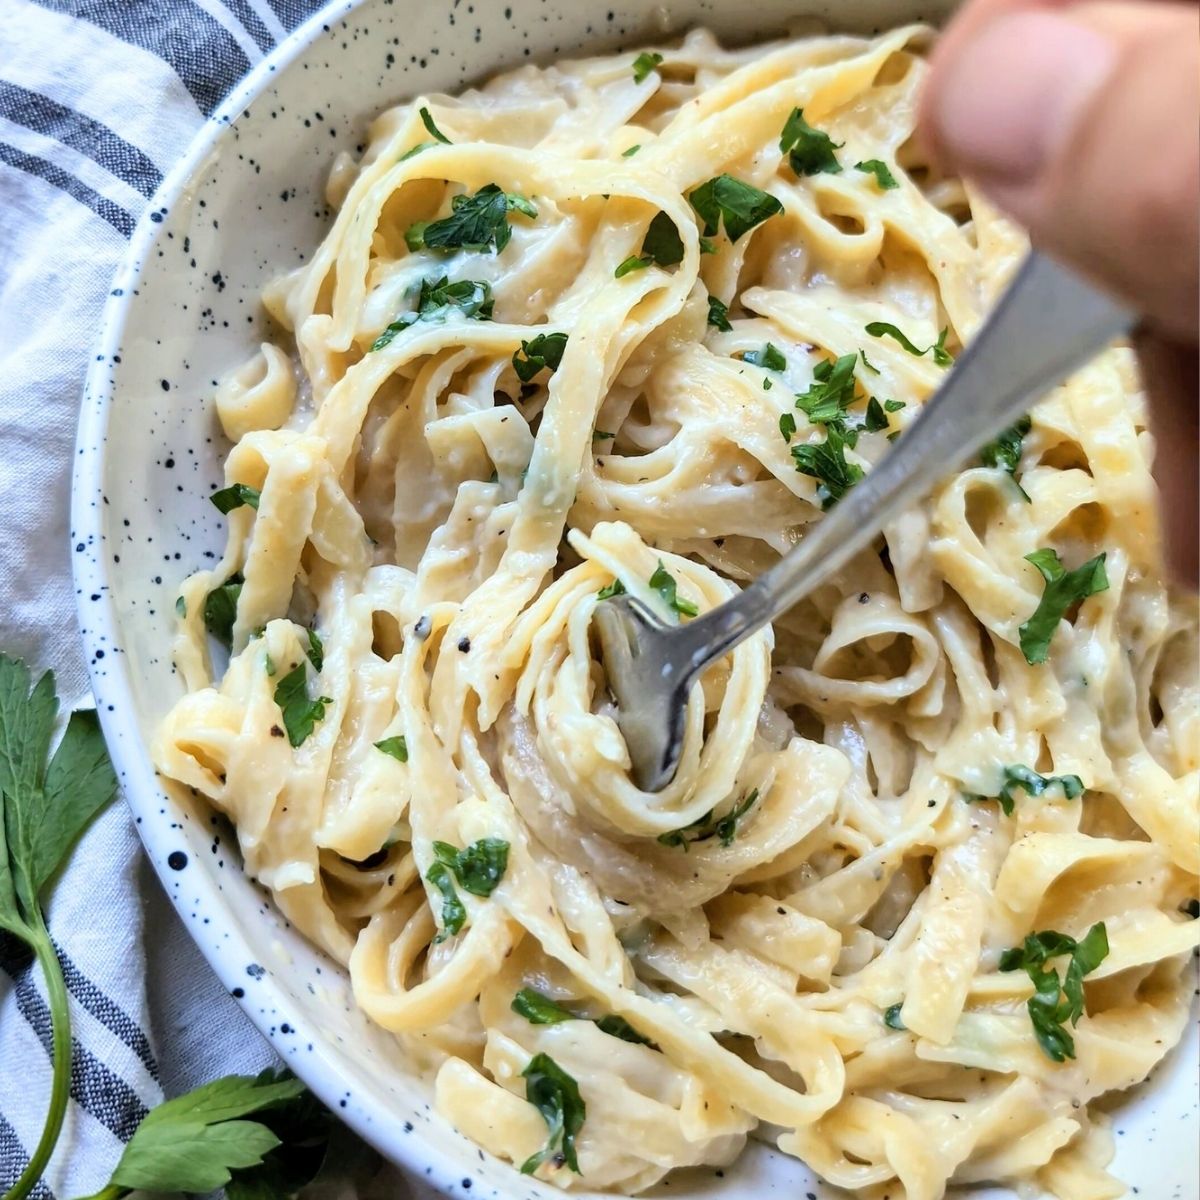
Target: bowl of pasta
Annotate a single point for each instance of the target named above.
(455, 322)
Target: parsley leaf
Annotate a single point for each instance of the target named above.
(875, 419)
(662, 245)
(300, 714)
(439, 298)
(787, 426)
(826, 462)
(616, 588)
(234, 496)
(941, 355)
(738, 204)
(396, 746)
(809, 150)
(192, 1143)
(1033, 784)
(454, 915)
(718, 315)
(631, 151)
(555, 1094)
(477, 222)
(831, 391)
(663, 582)
(480, 867)
(316, 649)
(770, 358)
(220, 610)
(1063, 589)
(1055, 1002)
(1005, 451)
(883, 176)
(645, 62)
(538, 1009)
(707, 827)
(432, 129)
(543, 351)
(891, 1017)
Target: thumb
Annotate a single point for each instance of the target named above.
(1081, 122)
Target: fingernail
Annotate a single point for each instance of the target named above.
(1012, 95)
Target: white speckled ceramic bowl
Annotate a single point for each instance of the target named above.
(245, 204)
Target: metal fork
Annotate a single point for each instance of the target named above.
(1047, 324)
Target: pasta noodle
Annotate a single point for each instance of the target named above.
(632, 323)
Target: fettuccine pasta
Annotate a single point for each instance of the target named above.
(924, 886)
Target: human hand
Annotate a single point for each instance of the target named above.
(1080, 120)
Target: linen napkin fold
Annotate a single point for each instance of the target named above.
(97, 100)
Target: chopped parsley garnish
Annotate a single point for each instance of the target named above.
(738, 204)
(891, 1017)
(439, 298)
(826, 462)
(1033, 784)
(718, 315)
(454, 915)
(941, 355)
(478, 222)
(433, 130)
(877, 167)
(1056, 1001)
(180, 607)
(1063, 589)
(770, 358)
(544, 351)
(480, 867)
(1005, 451)
(645, 62)
(220, 610)
(868, 363)
(809, 150)
(663, 582)
(831, 392)
(708, 826)
(234, 496)
(616, 588)
(707, 246)
(396, 747)
(662, 245)
(787, 426)
(316, 649)
(631, 151)
(875, 419)
(539, 1009)
(300, 714)
(555, 1094)
(893, 405)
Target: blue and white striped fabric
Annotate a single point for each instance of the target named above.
(97, 99)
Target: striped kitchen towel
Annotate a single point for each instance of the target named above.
(97, 99)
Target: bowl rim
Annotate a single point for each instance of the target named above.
(100, 628)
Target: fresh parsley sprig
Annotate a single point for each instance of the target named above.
(220, 609)
(477, 869)
(235, 496)
(300, 714)
(662, 246)
(718, 315)
(1028, 780)
(884, 179)
(827, 463)
(663, 582)
(1056, 1001)
(1063, 589)
(43, 810)
(645, 63)
(544, 351)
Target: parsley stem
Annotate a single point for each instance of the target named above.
(38, 938)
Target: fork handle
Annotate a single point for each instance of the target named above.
(1048, 323)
